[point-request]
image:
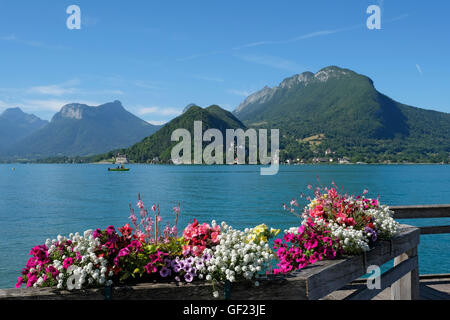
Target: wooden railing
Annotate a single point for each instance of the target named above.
(313, 282)
(411, 281)
(425, 211)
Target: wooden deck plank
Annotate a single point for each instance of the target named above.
(430, 289)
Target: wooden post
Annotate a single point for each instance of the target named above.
(407, 288)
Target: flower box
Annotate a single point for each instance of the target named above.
(312, 282)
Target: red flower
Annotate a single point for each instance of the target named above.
(126, 230)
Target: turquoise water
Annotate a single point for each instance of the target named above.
(39, 201)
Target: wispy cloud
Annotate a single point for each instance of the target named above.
(298, 38)
(271, 61)
(67, 87)
(419, 69)
(274, 42)
(206, 78)
(53, 105)
(199, 55)
(31, 43)
(309, 35)
(150, 86)
(241, 93)
(162, 111)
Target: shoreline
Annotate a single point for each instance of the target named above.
(282, 164)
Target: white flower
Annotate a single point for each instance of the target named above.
(234, 259)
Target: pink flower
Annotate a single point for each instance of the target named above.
(53, 271)
(67, 262)
(150, 268)
(97, 233)
(124, 252)
(31, 280)
(19, 282)
(332, 193)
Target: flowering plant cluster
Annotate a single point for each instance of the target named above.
(333, 224)
(142, 251)
(199, 237)
(240, 255)
(66, 263)
(303, 246)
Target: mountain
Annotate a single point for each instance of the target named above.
(160, 144)
(16, 125)
(188, 106)
(81, 130)
(340, 109)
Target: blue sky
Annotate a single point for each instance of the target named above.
(158, 56)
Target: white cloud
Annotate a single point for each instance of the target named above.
(51, 104)
(162, 111)
(4, 106)
(206, 78)
(270, 61)
(242, 93)
(51, 90)
(156, 122)
(147, 85)
(199, 55)
(70, 87)
(31, 43)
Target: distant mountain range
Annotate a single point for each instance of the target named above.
(159, 145)
(16, 125)
(80, 130)
(332, 114)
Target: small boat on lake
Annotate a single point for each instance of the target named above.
(121, 168)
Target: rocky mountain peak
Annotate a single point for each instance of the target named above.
(72, 111)
(304, 77)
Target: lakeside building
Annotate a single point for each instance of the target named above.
(121, 159)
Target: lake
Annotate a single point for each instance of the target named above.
(40, 201)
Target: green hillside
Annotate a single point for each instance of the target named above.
(355, 120)
(160, 145)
